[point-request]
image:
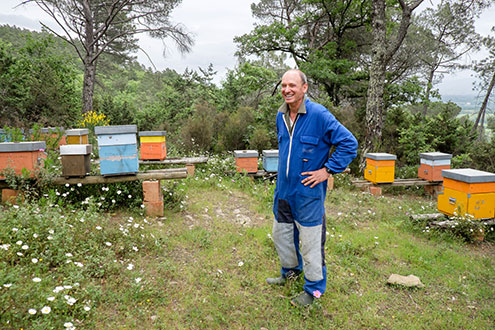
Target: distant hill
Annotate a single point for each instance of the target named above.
(470, 104)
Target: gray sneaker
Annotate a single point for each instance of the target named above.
(302, 300)
(276, 280)
(281, 280)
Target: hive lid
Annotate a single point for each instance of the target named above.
(117, 129)
(22, 146)
(48, 130)
(380, 156)
(469, 175)
(76, 149)
(435, 155)
(153, 133)
(77, 132)
(270, 153)
(245, 153)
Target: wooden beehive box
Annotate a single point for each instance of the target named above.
(117, 147)
(50, 132)
(432, 164)
(77, 136)
(19, 155)
(76, 159)
(467, 192)
(3, 136)
(246, 160)
(153, 145)
(380, 167)
(270, 160)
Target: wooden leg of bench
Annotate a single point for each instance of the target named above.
(190, 169)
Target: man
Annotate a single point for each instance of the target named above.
(306, 131)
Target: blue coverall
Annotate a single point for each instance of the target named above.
(298, 209)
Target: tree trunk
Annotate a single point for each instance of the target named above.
(484, 105)
(382, 53)
(429, 85)
(88, 86)
(90, 46)
(374, 106)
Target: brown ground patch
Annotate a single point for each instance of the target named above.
(235, 207)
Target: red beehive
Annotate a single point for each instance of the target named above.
(432, 164)
(246, 160)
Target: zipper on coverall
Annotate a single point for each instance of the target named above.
(290, 142)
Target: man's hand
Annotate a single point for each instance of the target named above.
(315, 177)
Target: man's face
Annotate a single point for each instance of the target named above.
(293, 89)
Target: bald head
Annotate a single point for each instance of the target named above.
(294, 87)
(301, 75)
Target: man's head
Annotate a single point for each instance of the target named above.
(294, 86)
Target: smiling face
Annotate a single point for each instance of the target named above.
(293, 89)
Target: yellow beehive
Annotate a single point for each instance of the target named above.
(380, 167)
(77, 136)
(467, 192)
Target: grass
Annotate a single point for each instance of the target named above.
(205, 267)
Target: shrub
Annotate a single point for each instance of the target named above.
(260, 139)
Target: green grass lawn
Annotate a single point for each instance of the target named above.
(205, 267)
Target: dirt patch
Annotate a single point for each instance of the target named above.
(238, 210)
(483, 249)
(235, 207)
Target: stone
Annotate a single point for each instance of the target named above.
(408, 281)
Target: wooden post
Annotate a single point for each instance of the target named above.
(331, 181)
(190, 169)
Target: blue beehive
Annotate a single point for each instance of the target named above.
(3, 136)
(117, 146)
(270, 160)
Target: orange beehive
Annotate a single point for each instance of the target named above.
(432, 164)
(468, 192)
(153, 145)
(246, 160)
(46, 133)
(22, 155)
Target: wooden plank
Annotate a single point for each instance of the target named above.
(429, 216)
(165, 174)
(397, 182)
(451, 223)
(170, 161)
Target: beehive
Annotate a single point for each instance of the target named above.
(3, 136)
(76, 159)
(153, 145)
(467, 192)
(77, 136)
(380, 167)
(432, 164)
(50, 132)
(246, 160)
(20, 155)
(117, 147)
(270, 160)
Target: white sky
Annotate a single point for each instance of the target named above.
(214, 24)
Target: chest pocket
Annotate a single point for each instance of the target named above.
(309, 144)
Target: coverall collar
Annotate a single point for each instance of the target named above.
(284, 108)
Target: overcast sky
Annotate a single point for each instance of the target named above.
(214, 24)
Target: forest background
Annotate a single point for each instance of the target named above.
(41, 81)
